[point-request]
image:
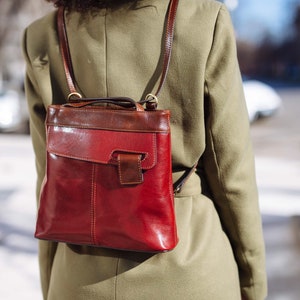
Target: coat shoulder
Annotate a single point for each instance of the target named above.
(202, 12)
(43, 24)
(39, 34)
(208, 5)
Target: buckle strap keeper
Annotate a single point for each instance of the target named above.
(129, 167)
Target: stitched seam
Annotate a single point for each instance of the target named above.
(93, 206)
(140, 171)
(85, 158)
(88, 126)
(154, 150)
(142, 161)
(171, 189)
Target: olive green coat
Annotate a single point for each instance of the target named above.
(118, 53)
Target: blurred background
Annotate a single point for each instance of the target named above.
(268, 43)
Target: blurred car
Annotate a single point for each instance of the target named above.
(261, 99)
(13, 112)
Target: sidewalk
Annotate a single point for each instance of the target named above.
(18, 249)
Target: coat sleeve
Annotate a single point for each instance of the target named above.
(228, 160)
(37, 112)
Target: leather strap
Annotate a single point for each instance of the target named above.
(65, 49)
(177, 186)
(168, 42)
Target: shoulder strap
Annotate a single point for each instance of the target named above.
(65, 50)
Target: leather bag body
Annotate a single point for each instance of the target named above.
(108, 179)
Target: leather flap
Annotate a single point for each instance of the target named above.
(101, 146)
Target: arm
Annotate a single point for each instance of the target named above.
(37, 113)
(228, 160)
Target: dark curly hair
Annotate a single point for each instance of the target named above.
(84, 5)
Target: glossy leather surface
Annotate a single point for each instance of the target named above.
(82, 199)
(110, 119)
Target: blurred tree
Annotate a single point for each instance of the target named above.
(271, 60)
(8, 10)
(247, 57)
(289, 51)
(297, 22)
(15, 15)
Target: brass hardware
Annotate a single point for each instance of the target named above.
(73, 95)
(151, 98)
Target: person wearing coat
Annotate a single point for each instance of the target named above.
(116, 51)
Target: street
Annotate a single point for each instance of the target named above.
(276, 143)
(18, 249)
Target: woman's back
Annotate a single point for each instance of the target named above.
(117, 52)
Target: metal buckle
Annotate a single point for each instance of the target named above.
(73, 95)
